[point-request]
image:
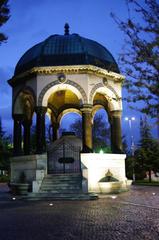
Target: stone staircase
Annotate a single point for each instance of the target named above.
(62, 186)
(62, 183)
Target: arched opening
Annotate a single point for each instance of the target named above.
(63, 89)
(101, 131)
(71, 122)
(109, 102)
(60, 103)
(101, 124)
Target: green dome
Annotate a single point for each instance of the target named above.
(68, 49)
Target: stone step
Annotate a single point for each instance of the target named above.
(61, 196)
(59, 189)
(62, 183)
(48, 188)
(63, 178)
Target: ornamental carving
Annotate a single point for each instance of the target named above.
(69, 82)
(99, 85)
(62, 78)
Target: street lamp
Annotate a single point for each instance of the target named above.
(132, 141)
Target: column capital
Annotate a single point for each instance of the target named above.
(86, 108)
(40, 109)
(115, 113)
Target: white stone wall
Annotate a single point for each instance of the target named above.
(97, 166)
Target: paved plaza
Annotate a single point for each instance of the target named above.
(133, 215)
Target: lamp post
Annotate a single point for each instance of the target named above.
(132, 142)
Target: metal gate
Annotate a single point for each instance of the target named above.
(64, 158)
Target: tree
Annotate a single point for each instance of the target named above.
(100, 131)
(147, 155)
(139, 58)
(4, 16)
(5, 149)
(125, 145)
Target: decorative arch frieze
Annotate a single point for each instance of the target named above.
(69, 82)
(99, 85)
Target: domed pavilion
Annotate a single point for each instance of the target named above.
(63, 74)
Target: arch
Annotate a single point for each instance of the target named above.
(44, 94)
(101, 130)
(24, 102)
(96, 108)
(109, 93)
(100, 85)
(69, 110)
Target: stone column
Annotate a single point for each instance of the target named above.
(17, 138)
(87, 128)
(55, 127)
(40, 129)
(27, 126)
(116, 138)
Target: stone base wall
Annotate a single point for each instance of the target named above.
(96, 165)
(27, 164)
(94, 168)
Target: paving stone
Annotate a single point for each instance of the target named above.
(133, 215)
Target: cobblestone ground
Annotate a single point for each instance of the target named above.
(130, 216)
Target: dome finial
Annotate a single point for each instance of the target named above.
(66, 28)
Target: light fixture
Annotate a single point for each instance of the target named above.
(101, 151)
(113, 197)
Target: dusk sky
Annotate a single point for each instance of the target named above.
(32, 21)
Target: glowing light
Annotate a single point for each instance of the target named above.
(50, 204)
(13, 198)
(133, 118)
(101, 151)
(113, 197)
(153, 193)
(126, 118)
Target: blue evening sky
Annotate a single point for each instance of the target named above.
(33, 21)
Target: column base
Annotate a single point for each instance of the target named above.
(87, 150)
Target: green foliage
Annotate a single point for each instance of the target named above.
(4, 16)
(5, 149)
(145, 182)
(147, 155)
(129, 166)
(4, 178)
(139, 58)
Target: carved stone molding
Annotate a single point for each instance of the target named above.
(73, 69)
(99, 85)
(69, 82)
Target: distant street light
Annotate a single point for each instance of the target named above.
(132, 142)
